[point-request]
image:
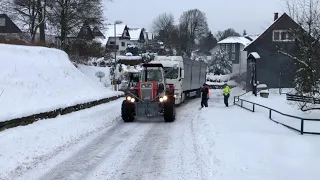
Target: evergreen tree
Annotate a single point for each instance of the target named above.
(220, 63)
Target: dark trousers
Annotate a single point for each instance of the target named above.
(226, 98)
(204, 102)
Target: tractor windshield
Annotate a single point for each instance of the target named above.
(171, 73)
(152, 75)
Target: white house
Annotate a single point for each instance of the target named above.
(234, 47)
(120, 41)
(137, 36)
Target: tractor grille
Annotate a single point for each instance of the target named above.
(146, 92)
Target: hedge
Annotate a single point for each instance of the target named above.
(52, 114)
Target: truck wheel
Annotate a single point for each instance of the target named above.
(169, 111)
(127, 111)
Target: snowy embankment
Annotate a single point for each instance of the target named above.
(37, 79)
(278, 102)
(28, 146)
(239, 144)
(219, 80)
(91, 71)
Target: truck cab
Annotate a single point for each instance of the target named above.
(174, 74)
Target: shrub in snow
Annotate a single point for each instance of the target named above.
(102, 64)
(220, 63)
(147, 57)
(264, 93)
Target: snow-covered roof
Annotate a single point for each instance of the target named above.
(255, 55)
(135, 33)
(253, 37)
(235, 39)
(129, 57)
(110, 30)
(101, 40)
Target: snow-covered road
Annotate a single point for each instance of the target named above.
(212, 143)
(146, 149)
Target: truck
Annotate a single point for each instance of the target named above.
(187, 78)
(152, 96)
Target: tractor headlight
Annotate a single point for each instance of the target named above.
(165, 98)
(132, 100)
(174, 96)
(161, 99)
(129, 98)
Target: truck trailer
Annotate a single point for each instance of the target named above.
(186, 75)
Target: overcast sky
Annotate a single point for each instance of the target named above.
(252, 15)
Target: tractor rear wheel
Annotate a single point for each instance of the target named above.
(169, 110)
(127, 109)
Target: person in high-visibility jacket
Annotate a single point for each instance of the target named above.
(205, 95)
(226, 94)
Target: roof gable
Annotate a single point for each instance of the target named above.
(96, 32)
(137, 34)
(7, 25)
(121, 31)
(284, 17)
(85, 32)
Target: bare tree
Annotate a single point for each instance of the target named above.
(29, 14)
(67, 16)
(164, 28)
(193, 26)
(163, 22)
(306, 55)
(226, 33)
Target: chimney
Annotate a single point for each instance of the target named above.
(276, 16)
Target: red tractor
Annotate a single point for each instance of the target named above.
(151, 97)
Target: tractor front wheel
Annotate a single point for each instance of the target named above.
(169, 110)
(127, 110)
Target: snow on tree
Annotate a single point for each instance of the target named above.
(306, 55)
(147, 57)
(220, 63)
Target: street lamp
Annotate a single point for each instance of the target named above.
(115, 51)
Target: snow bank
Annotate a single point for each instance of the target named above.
(29, 146)
(238, 144)
(90, 71)
(218, 78)
(37, 79)
(278, 102)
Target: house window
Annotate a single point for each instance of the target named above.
(2, 22)
(233, 47)
(222, 47)
(233, 57)
(282, 35)
(227, 47)
(111, 42)
(123, 44)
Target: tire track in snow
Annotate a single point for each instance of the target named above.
(147, 158)
(94, 153)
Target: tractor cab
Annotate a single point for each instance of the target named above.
(151, 96)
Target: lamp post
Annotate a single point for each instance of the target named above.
(115, 52)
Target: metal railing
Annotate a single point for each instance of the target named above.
(236, 99)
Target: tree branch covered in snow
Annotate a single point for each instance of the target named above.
(220, 63)
(306, 14)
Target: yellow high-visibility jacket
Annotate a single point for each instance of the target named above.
(226, 90)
